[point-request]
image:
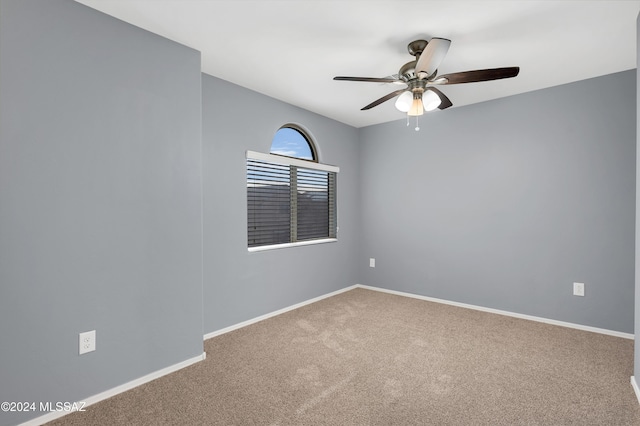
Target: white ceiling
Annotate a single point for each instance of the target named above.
(291, 50)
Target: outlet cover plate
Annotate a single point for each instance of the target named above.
(87, 342)
(372, 263)
(578, 289)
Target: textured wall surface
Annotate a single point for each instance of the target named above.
(100, 202)
(239, 285)
(505, 204)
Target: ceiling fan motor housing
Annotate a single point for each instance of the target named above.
(408, 71)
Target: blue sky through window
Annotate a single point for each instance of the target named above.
(292, 143)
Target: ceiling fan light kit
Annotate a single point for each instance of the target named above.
(416, 106)
(430, 100)
(404, 101)
(420, 75)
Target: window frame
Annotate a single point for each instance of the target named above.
(305, 164)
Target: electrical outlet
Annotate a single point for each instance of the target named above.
(87, 342)
(372, 263)
(578, 289)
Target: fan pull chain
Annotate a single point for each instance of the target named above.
(417, 126)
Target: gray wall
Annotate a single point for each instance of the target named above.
(239, 285)
(637, 253)
(505, 204)
(100, 202)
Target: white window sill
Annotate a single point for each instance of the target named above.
(287, 245)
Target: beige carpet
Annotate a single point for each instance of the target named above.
(369, 358)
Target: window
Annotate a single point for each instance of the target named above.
(292, 142)
(291, 198)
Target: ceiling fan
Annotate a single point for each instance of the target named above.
(421, 74)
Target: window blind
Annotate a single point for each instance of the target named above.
(289, 200)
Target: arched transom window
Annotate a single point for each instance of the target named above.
(291, 197)
(291, 141)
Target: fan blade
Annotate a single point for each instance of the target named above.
(432, 55)
(384, 99)
(444, 101)
(369, 79)
(477, 75)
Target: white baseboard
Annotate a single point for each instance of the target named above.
(163, 372)
(157, 374)
(275, 313)
(634, 385)
(117, 390)
(506, 313)
(429, 299)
